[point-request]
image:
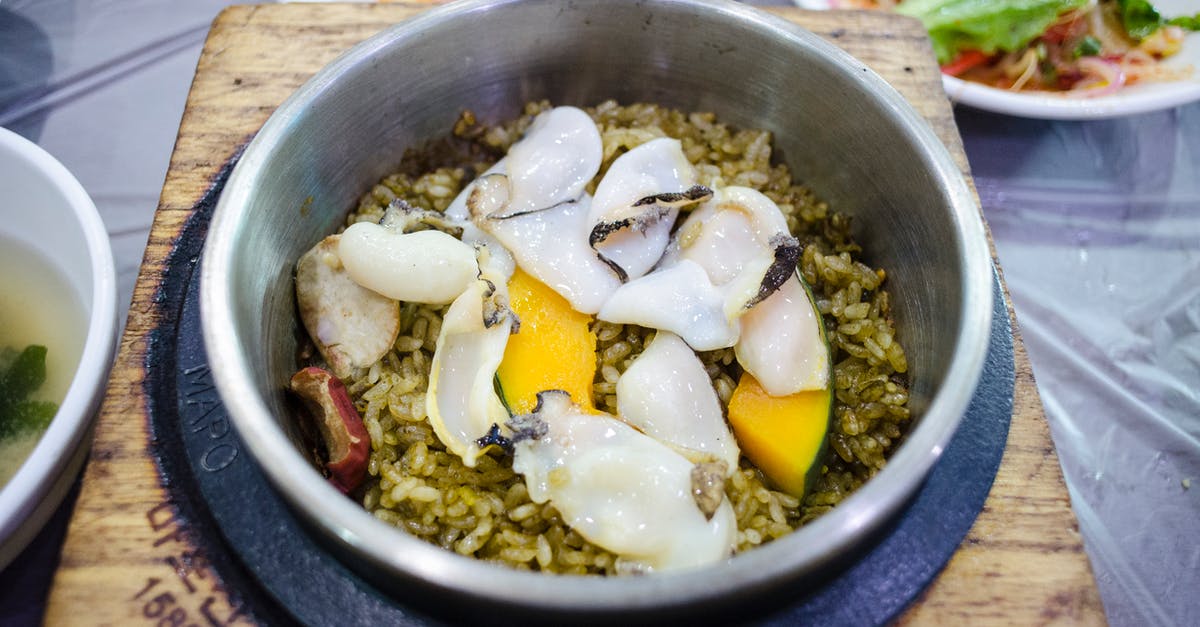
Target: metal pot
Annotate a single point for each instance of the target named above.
(839, 126)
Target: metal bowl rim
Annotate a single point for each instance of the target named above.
(806, 550)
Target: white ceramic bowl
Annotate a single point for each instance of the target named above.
(45, 208)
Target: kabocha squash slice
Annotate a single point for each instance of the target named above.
(554, 350)
(786, 436)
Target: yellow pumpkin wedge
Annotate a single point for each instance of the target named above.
(783, 435)
(555, 348)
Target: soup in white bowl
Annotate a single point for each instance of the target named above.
(59, 287)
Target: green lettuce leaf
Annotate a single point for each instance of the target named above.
(1141, 19)
(989, 26)
(1190, 22)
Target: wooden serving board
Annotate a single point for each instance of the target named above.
(129, 557)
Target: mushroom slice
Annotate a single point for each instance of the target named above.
(783, 343)
(346, 441)
(667, 394)
(461, 401)
(424, 267)
(617, 487)
(352, 326)
(636, 203)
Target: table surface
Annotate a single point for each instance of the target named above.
(1100, 219)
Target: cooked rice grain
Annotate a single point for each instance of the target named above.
(485, 512)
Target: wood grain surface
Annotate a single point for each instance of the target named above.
(131, 559)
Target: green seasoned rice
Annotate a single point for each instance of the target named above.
(486, 512)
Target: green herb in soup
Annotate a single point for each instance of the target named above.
(43, 325)
(21, 374)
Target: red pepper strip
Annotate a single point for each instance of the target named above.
(964, 62)
(1059, 33)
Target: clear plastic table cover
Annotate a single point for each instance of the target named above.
(1097, 225)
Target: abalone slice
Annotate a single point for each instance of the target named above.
(680, 299)
(551, 245)
(402, 217)
(730, 254)
(667, 394)
(555, 160)
(457, 209)
(637, 202)
(533, 203)
(424, 267)
(782, 344)
(619, 488)
(461, 400)
(741, 239)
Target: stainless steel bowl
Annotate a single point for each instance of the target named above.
(839, 126)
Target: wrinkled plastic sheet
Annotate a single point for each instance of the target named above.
(1097, 225)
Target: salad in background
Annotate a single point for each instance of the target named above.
(1083, 48)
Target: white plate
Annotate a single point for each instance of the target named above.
(1140, 98)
